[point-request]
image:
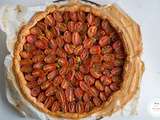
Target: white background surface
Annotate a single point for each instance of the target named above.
(144, 12)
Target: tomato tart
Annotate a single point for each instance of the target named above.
(69, 60)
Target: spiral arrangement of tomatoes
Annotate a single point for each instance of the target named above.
(72, 61)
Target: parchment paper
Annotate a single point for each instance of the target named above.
(11, 18)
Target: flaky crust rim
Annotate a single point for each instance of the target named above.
(133, 68)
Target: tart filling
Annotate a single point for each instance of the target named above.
(72, 62)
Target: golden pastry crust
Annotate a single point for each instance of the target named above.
(133, 67)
